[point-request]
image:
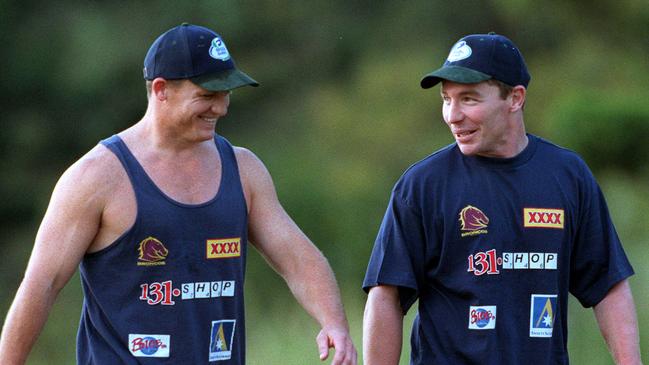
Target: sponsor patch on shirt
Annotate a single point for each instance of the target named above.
(530, 260)
(142, 345)
(164, 292)
(221, 339)
(473, 221)
(543, 310)
(482, 317)
(543, 218)
(151, 252)
(212, 289)
(224, 248)
(490, 262)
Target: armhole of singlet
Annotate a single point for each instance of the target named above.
(112, 145)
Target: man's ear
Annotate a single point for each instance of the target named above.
(159, 88)
(517, 96)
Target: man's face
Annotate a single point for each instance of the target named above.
(479, 118)
(196, 110)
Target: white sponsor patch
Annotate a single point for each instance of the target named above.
(141, 345)
(529, 260)
(482, 317)
(213, 289)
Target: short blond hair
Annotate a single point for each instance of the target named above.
(148, 84)
(505, 89)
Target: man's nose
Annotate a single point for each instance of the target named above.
(453, 113)
(220, 103)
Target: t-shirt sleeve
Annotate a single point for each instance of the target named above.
(598, 261)
(398, 254)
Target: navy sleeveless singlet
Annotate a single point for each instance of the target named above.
(170, 289)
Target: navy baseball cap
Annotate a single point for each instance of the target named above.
(196, 53)
(480, 57)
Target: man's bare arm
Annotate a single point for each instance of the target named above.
(618, 323)
(382, 326)
(68, 228)
(296, 259)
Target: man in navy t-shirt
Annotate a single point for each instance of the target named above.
(491, 233)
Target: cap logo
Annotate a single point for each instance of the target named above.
(218, 50)
(460, 51)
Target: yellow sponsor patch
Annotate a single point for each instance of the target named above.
(224, 248)
(543, 218)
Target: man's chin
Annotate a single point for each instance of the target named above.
(467, 150)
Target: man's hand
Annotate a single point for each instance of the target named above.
(340, 340)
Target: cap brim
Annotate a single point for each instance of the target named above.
(457, 74)
(225, 80)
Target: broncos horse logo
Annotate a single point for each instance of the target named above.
(152, 252)
(473, 219)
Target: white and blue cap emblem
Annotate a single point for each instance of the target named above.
(218, 50)
(480, 57)
(460, 51)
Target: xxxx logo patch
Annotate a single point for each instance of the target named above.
(224, 248)
(543, 218)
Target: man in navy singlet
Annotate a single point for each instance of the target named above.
(158, 219)
(491, 233)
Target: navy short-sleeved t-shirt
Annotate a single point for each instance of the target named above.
(491, 248)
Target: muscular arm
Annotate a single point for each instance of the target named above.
(618, 323)
(296, 259)
(68, 227)
(382, 326)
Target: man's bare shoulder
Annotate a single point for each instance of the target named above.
(251, 168)
(246, 159)
(98, 172)
(255, 178)
(83, 205)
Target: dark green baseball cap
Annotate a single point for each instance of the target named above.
(195, 53)
(480, 57)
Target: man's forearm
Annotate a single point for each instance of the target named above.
(25, 320)
(618, 323)
(382, 327)
(316, 290)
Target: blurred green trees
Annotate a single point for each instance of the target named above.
(338, 118)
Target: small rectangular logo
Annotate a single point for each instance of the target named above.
(212, 289)
(529, 260)
(142, 345)
(221, 339)
(543, 218)
(224, 248)
(543, 311)
(482, 317)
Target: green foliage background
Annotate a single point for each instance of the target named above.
(338, 118)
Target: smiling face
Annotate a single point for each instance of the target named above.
(481, 121)
(193, 111)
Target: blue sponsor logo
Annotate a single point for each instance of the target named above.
(222, 339)
(543, 312)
